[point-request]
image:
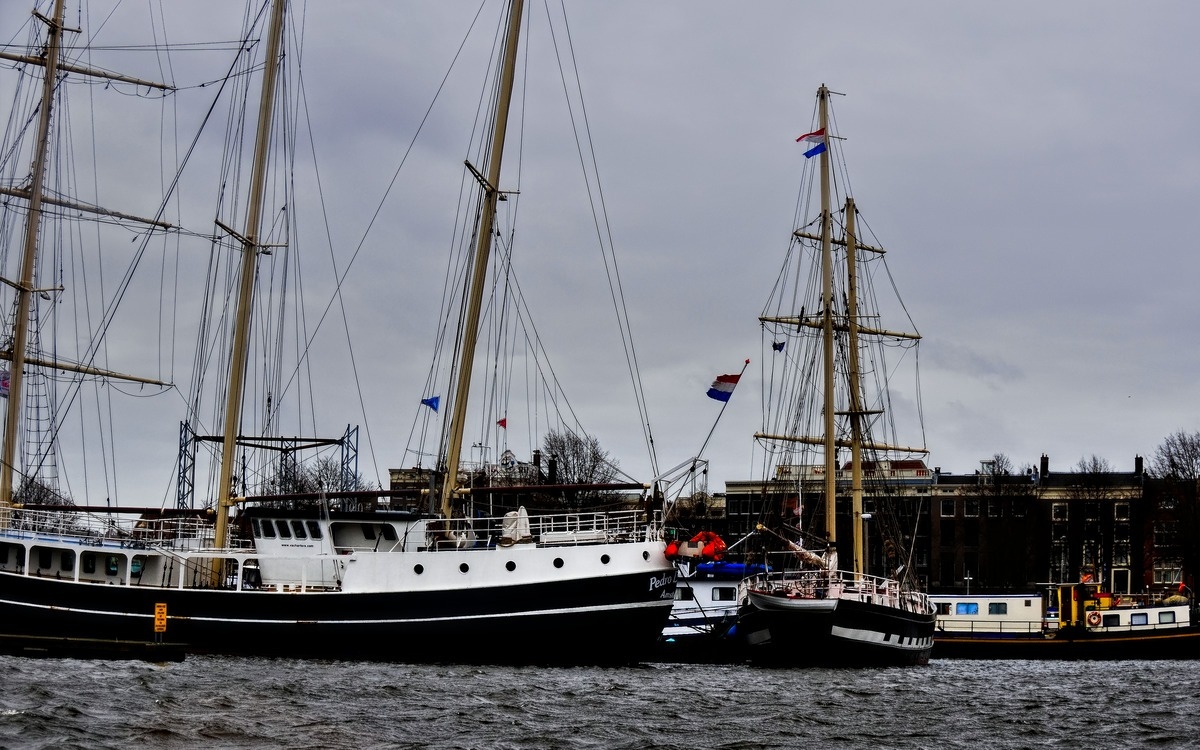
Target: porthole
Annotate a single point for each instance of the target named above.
(463, 568)
(558, 562)
(645, 555)
(605, 559)
(418, 569)
(510, 566)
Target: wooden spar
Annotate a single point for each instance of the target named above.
(483, 247)
(856, 405)
(827, 325)
(250, 249)
(52, 64)
(33, 222)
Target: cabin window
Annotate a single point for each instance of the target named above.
(725, 594)
(45, 558)
(314, 529)
(388, 532)
(1112, 621)
(88, 562)
(298, 530)
(3, 554)
(268, 529)
(943, 608)
(966, 608)
(1166, 618)
(368, 531)
(66, 560)
(254, 525)
(1139, 618)
(947, 509)
(284, 531)
(997, 608)
(684, 594)
(112, 565)
(137, 566)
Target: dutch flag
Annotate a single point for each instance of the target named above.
(816, 137)
(722, 387)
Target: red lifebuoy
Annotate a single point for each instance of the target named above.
(1093, 618)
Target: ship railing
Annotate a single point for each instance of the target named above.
(77, 527)
(820, 583)
(976, 627)
(551, 529)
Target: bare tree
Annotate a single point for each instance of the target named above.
(580, 458)
(322, 475)
(1178, 457)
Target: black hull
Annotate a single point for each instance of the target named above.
(1183, 643)
(853, 633)
(612, 620)
(721, 646)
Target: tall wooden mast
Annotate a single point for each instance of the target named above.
(482, 252)
(830, 437)
(18, 357)
(250, 252)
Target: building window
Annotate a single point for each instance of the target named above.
(1121, 511)
(947, 509)
(1120, 553)
(1167, 576)
(1058, 512)
(971, 509)
(995, 508)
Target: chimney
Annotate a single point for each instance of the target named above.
(553, 469)
(1045, 465)
(1137, 465)
(537, 466)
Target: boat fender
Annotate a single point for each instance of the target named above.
(1093, 618)
(672, 550)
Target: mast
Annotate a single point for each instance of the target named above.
(250, 250)
(482, 251)
(18, 357)
(33, 221)
(856, 400)
(827, 325)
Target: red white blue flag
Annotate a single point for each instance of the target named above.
(817, 137)
(722, 387)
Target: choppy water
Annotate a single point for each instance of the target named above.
(247, 703)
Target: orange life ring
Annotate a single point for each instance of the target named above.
(1093, 618)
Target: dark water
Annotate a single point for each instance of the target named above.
(246, 703)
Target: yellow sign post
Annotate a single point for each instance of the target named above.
(160, 617)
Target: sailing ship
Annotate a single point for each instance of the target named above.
(340, 574)
(803, 608)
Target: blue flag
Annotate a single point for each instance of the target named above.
(431, 402)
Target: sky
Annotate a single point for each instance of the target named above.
(1029, 167)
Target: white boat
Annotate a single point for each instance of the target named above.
(331, 574)
(824, 343)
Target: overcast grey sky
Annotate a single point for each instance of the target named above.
(1031, 167)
